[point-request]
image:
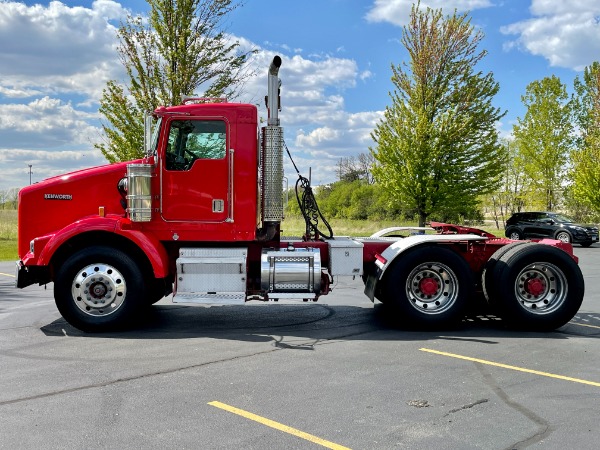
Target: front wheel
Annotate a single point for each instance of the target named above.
(537, 287)
(99, 288)
(515, 235)
(563, 236)
(429, 286)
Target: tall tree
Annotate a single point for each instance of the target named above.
(352, 168)
(437, 146)
(585, 173)
(179, 48)
(510, 195)
(544, 139)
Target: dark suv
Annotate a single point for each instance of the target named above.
(540, 225)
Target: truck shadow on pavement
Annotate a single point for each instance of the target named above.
(317, 322)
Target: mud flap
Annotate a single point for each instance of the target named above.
(371, 284)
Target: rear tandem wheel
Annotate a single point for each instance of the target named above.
(429, 286)
(535, 287)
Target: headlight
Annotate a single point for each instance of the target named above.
(122, 187)
(579, 230)
(32, 246)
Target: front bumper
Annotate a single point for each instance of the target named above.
(28, 275)
(585, 239)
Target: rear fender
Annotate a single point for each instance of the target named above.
(384, 260)
(387, 257)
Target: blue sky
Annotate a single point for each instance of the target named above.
(55, 58)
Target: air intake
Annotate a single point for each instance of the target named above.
(139, 192)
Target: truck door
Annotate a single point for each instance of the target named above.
(195, 175)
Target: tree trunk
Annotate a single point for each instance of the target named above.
(422, 218)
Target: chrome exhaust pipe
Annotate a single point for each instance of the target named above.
(272, 152)
(274, 83)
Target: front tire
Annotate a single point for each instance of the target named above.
(537, 287)
(515, 235)
(429, 286)
(99, 288)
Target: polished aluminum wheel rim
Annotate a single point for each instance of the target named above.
(541, 288)
(99, 290)
(432, 288)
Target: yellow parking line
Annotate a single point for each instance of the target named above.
(506, 366)
(584, 325)
(7, 274)
(278, 426)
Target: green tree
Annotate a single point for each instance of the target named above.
(510, 195)
(437, 147)
(544, 139)
(585, 173)
(180, 48)
(586, 101)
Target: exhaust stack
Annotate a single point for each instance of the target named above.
(274, 83)
(272, 153)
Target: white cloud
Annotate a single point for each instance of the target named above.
(45, 123)
(344, 134)
(49, 134)
(14, 170)
(57, 48)
(397, 12)
(51, 82)
(318, 128)
(317, 137)
(49, 53)
(567, 34)
(19, 93)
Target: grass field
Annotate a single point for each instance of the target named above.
(8, 235)
(294, 226)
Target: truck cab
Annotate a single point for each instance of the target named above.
(204, 174)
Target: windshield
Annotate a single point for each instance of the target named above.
(562, 218)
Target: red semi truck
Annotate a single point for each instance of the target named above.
(200, 217)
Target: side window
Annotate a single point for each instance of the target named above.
(190, 140)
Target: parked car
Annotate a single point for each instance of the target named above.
(540, 225)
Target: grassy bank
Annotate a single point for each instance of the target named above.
(8, 235)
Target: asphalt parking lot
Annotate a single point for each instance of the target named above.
(333, 374)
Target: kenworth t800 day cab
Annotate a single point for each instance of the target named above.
(199, 217)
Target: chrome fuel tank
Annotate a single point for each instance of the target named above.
(291, 270)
